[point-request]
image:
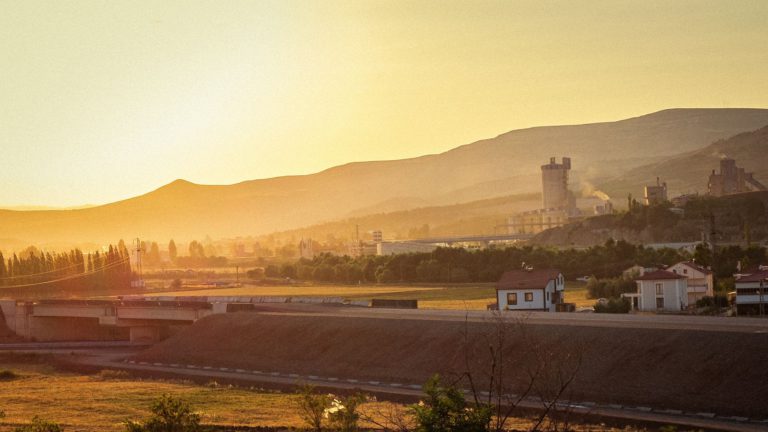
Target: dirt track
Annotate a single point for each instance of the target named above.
(719, 372)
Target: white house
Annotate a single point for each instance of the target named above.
(660, 290)
(700, 282)
(530, 290)
(752, 293)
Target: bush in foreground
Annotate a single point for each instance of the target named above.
(40, 425)
(613, 305)
(169, 414)
(7, 375)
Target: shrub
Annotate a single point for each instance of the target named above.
(446, 410)
(614, 305)
(312, 406)
(343, 415)
(39, 425)
(7, 375)
(111, 374)
(607, 288)
(718, 300)
(169, 414)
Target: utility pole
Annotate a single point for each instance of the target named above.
(762, 306)
(712, 235)
(138, 262)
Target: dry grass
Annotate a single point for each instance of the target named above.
(462, 297)
(91, 403)
(101, 402)
(308, 290)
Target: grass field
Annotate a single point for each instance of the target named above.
(101, 402)
(463, 297)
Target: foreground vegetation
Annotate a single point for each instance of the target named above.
(37, 396)
(41, 398)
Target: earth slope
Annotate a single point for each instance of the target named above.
(676, 369)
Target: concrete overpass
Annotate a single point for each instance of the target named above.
(133, 320)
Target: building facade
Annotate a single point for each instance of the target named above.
(657, 194)
(660, 291)
(558, 203)
(536, 221)
(391, 247)
(530, 290)
(554, 182)
(752, 293)
(700, 283)
(732, 180)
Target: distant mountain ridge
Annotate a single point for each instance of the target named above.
(502, 166)
(689, 172)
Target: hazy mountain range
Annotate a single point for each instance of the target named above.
(619, 156)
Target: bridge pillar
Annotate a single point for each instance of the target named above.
(145, 334)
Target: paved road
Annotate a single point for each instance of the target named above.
(652, 321)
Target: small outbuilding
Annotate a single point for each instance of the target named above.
(530, 290)
(660, 290)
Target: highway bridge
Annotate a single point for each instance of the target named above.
(134, 320)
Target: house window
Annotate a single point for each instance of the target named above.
(547, 295)
(512, 298)
(660, 303)
(659, 289)
(529, 296)
(685, 271)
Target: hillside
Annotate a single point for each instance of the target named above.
(501, 166)
(740, 218)
(689, 172)
(475, 217)
(695, 370)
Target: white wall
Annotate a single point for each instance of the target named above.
(674, 293)
(539, 301)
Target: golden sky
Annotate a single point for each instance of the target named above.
(103, 100)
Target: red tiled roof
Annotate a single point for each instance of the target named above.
(527, 279)
(754, 277)
(697, 267)
(660, 275)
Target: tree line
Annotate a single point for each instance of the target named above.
(67, 271)
(457, 265)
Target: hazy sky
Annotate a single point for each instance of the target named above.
(104, 100)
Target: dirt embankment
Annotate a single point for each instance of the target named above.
(725, 373)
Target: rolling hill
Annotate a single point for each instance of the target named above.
(689, 172)
(505, 165)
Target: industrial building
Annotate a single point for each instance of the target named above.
(732, 180)
(554, 182)
(655, 194)
(558, 202)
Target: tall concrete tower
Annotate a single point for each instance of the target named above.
(554, 178)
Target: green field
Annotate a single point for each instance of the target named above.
(463, 297)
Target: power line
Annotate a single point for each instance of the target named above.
(79, 275)
(43, 273)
